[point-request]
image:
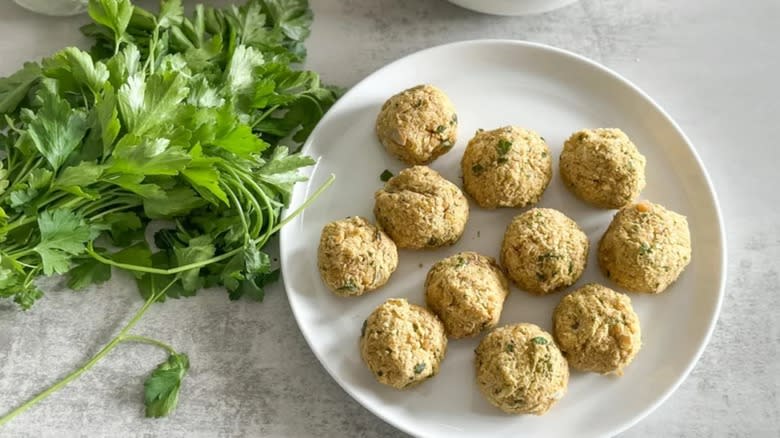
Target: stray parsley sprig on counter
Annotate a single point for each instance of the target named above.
(187, 121)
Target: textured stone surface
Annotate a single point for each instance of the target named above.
(713, 65)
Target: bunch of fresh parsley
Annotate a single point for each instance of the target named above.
(184, 124)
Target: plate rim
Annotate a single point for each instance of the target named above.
(602, 69)
(504, 11)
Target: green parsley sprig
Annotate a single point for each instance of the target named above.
(185, 121)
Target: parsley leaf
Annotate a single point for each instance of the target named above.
(192, 122)
(87, 272)
(14, 88)
(35, 182)
(199, 249)
(254, 286)
(133, 183)
(14, 285)
(63, 234)
(27, 295)
(281, 170)
(292, 16)
(83, 174)
(3, 179)
(75, 67)
(240, 71)
(138, 254)
(204, 177)
(56, 129)
(171, 13)
(105, 123)
(113, 14)
(147, 157)
(503, 147)
(256, 261)
(161, 389)
(242, 142)
(145, 103)
(125, 227)
(175, 202)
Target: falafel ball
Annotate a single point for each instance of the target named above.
(355, 257)
(520, 370)
(467, 292)
(597, 329)
(402, 344)
(506, 167)
(603, 167)
(645, 248)
(544, 251)
(418, 208)
(418, 125)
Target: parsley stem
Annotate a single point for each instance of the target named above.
(18, 223)
(264, 115)
(150, 341)
(112, 210)
(53, 198)
(260, 241)
(303, 206)
(241, 214)
(72, 203)
(149, 270)
(181, 229)
(12, 247)
(31, 276)
(258, 211)
(123, 200)
(91, 362)
(149, 64)
(31, 164)
(256, 193)
(26, 265)
(21, 253)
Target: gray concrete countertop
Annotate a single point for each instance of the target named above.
(713, 65)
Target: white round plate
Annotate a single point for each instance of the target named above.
(512, 7)
(496, 83)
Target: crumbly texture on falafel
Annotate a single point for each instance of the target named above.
(355, 256)
(418, 209)
(402, 344)
(506, 167)
(645, 248)
(603, 167)
(418, 125)
(544, 251)
(520, 369)
(597, 329)
(467, 292)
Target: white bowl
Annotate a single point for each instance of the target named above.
(512, 7)
(56, 8)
